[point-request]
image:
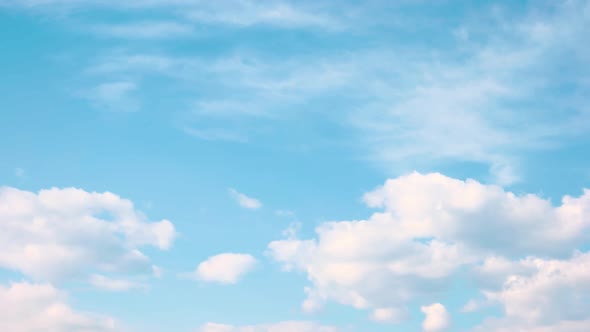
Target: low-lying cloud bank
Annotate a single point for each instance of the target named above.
(522, 251)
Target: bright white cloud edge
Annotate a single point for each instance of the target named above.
(432, 225)
(225, 268)
(65, 234)
(244, 200)
(28, 307)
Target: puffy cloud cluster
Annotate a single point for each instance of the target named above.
(40, 307)
(430, 226)
(538, 294)
(70, 234)
(483, 217)
(59, 234)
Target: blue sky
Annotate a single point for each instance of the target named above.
(280, 166)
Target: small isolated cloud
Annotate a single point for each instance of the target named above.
(437, 318)
(389, 315)
(227, 268)
(113, 285)
(30, 307)
(244, 200)
(115, 96)
(287, 326)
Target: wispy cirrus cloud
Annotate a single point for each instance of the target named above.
(144, 29)
(236, 13)
(487, 96)
(486, 102)
(538, 294)
(281, 14)
(117, 96)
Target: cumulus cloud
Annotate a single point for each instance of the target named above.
(30, 307)
(288, 326)
(430, 225)
(540, 295)
(244, 200)
(58, 234)
(389, 315)
(227, 268)
(437, 318)
(484, 217)
(503, 325)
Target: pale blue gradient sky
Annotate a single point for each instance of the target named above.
(238, 120)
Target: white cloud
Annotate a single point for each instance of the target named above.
(288, 326)
(244, 200)
(227, 268)
(437, 318)
(389, 315)
(540, 295)
(246, 13)
(66, 233)
(40, 307)
(502, 325)
(475, 103)
(113, 285)
(424, 112)
(485, 107)
(484, 217)
(430, 226)
(238, 13)
(431, 109)
(426, 109)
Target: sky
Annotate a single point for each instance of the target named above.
(294, 166)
